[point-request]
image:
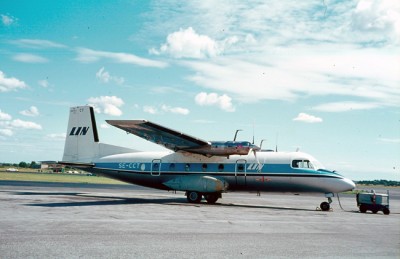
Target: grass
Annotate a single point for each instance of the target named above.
(55, 177)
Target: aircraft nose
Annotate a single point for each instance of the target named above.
(348, 184)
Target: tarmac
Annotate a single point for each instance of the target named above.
(56, 220)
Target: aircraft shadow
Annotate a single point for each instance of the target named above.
(115, 200)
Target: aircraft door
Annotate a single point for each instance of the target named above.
(156, 167)
(240, 172)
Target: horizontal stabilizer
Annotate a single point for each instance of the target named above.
(76, 165)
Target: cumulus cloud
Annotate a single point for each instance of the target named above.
(105, 77)
(25, 124)
(304, 117)
(150, 109)
(377, 20)
(107, 104)
(30, 58)
(7, 20)
(89, 56)
(8, 84)
(224, 102)
(32, 112)
(4, 116)
(188, 44)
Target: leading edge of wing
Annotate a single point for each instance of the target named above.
(169, 138)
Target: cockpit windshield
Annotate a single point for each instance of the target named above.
(305, 163)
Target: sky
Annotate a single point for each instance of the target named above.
(322, 76)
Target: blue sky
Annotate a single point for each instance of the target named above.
(321, 76)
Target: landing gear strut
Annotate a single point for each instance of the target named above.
(325, 206)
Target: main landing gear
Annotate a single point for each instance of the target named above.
(195, 197)
(325, 206)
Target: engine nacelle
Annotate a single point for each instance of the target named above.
(204, 184)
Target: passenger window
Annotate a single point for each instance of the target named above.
(172, 167)
(187, 167)
(220, 168)
(204, 167)
(240, 168)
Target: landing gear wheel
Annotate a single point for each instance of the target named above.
(325, 206)
(193, 197)
(211, 198)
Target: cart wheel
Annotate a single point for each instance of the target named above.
(363, 208)
(386, 211)
(374, 211)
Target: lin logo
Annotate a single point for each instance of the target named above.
(79, 131)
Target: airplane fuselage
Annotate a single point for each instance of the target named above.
(268, 171)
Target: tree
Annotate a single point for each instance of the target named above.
(23, 164)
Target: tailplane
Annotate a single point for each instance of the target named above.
(82, 140)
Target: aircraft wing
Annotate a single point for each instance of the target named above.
(171, 139)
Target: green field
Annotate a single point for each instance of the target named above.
(55, 177)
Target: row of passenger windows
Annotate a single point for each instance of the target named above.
(204, 167)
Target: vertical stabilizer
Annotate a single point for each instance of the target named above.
(81, 143)
(82, 140)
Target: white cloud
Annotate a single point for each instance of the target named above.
(304, 117)
(6, 132)
(5, 116)
(165, 109)
(345, 106)
(377, 20)
(30, 58)
(25, 124)
(390, 140)
(177, 110)
(224, 102)
(150, 109)
(188, 44)
(105, 77)
(7, 20)
(107, 104)
(88, 56)
(56, 136)
(44, 83)
(10, 83)
(32, 112)
(37, 44)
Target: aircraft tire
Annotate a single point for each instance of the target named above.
(211, 198)
(193, 197)
(325, 206)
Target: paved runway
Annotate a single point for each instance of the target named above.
(41, 220)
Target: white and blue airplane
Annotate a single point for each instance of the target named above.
(199, 168)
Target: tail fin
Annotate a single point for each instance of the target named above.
(82, 140)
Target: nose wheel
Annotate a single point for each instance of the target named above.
(325, 206)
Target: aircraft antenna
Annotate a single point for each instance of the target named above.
(234, 139)
(276, 142)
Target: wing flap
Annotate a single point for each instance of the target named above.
(171, 139)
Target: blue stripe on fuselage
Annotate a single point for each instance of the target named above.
(214, 168)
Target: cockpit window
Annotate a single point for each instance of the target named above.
(302, 164)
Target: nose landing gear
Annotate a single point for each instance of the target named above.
(325, 206)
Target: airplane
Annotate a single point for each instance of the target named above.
(197, 167)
